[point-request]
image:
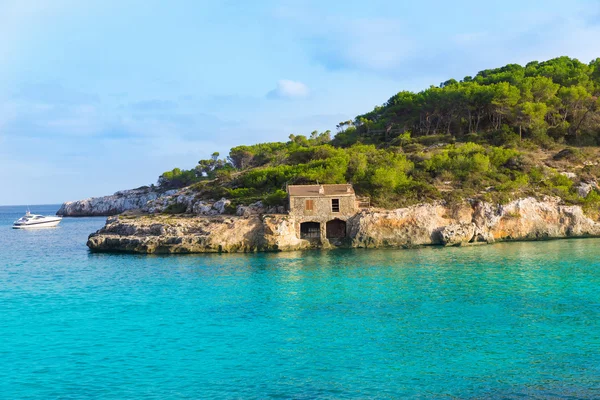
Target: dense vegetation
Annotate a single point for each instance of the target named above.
(553, 100)
(495, 136)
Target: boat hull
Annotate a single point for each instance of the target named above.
(38, 225)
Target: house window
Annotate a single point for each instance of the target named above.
(309, 206)
(335, 205)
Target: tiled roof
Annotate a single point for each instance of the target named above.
(320, 190)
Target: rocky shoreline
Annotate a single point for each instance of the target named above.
(117, 203)
(151, 201)
(420, 225)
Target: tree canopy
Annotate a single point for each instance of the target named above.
(555, 99)
(474, 138)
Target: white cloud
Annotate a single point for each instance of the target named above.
(287, 89)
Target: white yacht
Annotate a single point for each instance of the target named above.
(31, 221)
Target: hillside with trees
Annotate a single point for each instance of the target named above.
(556, 100)
(504, 133)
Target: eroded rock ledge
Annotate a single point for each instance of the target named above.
(194, 234)
(425, 224)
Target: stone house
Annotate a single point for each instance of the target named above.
(321, 211)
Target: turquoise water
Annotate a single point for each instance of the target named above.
(516, 320)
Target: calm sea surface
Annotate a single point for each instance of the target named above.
(513, 320)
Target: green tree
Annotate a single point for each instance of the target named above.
(531, 116)
(506, 97)
(539, 89)
(576, 104)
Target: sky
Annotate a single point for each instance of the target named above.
(103, 95)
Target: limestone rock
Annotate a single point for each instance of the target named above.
(569, 175)
(189, 234)
(405, 227)
(457, 234)
(584, 188)
(424, 224)
(201, 208)
(110, 205)
(252, 209)
(221, 206)
(190, 203)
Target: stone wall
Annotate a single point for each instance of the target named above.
(322, 210)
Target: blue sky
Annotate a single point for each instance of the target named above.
(102, 95)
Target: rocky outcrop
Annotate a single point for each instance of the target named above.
(111, 205)
(531, 219)
(186, 203)
(457, 234)
(425, 224)
(405, 227)
(584, 188)
(258, 208)
(189, 234)
(146, 200)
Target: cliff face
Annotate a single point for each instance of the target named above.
(523, 219)
(428, 224)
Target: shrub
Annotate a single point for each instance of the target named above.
(519, 182)
(500, 156)
(177, 178)
(240, 193)
(569, 154)
(434, 139)
(559, 180)
(419, 191)
(224, 175)
(460, 160)
(346, 138)
(277, 198)
(536, 175)
(541, 138)
(413, 147)
(230, 209)
(175, 208)
(503, 137)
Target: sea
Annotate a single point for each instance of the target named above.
(510, 321)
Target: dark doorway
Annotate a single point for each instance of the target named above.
(310, 230)
(336, 229)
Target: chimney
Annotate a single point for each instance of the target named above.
(321, 189)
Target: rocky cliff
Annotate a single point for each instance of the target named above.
(151, 201)
(192, 234)
(426, 224)
(110, 205)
